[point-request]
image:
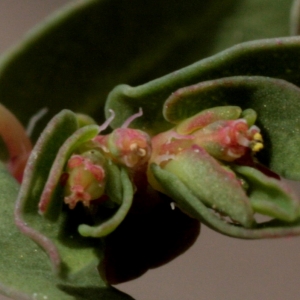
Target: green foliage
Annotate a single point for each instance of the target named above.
(23, 262)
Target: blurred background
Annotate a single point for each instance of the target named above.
(216, 267)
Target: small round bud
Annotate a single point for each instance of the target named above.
(86, 180)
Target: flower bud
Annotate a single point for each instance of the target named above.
(197, 152)
(129, 147)
(225, 140)
(86, 178)
(229, 140)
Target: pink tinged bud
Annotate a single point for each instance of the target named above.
(207, 117)
(167, 144)
(249, 115)
(229, 140)
(86, 180)
(129, 147)
(126, 146)
(165, 147)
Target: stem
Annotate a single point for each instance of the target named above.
(16, 140)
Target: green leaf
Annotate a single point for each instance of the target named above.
(112, 223)
(69, 253)
(270, 196)
(198, 170)
(25, 272)
(192, 205)
(272, 58)
(73, 59)
(275, 101)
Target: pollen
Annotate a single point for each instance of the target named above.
(257, 137)
(257, 142)
(257, 147)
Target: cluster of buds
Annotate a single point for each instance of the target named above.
(219, 136)
(86, 170)
(126, 146)
(86, 178)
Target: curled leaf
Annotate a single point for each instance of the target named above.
(275, 101)
(195, 208)
(270, 196)
(278, 58)
(211, 184)
(112, 223)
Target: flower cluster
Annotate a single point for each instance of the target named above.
(212, 153)
(207, 159)
(86, 170)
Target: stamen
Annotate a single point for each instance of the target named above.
(131, 118)
(258, 137)
(108, 121)
(34, 119)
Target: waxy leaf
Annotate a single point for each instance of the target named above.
(25, 273)
(73, 59)
(63, 244)
(276, 102)
(212, 184)
(191, 204)
(272, 58)
(270, 196)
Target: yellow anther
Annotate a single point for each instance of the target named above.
(257, 137)
(257, 147)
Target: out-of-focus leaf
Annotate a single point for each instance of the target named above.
(73, 60)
